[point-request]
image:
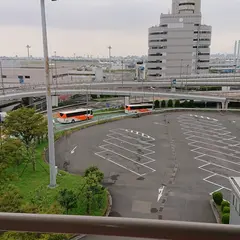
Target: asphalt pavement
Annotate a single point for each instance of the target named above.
(161, 166)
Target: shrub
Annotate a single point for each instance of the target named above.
(224, 204)
(191, 104)
(163, 104)
(170, 103)
(94, 170)
(157, 104)
(225, 218)
(217, 198)
(177, 104)
(226, 210)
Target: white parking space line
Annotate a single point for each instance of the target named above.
(200, 120)
(202, 124)
(119, 143)
(215, 146)
(220, 133)
(120, 165)
(126, 148)
(225, 138)
(196, 125)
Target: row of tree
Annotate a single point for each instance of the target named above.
(177, 104)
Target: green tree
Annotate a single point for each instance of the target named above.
(67, 199)
(177, 104)
(92, 188)
(170, 103)
(94, 170)
(25, 124)
(156, 104)
(28, 126)
(10, 199)
(218, 198)
(191, 103)
(163, 104)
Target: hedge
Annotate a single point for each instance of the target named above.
(224, 204)
(217, 198)
(226, 210)
(225, 218)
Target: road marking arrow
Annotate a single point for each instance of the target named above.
(160, 193)
(73, 150)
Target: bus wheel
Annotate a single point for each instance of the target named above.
(73, 121)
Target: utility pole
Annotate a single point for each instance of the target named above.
(110, 62)
(51, 147)
(1, 72)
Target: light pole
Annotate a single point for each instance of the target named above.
(1, 72)
(56, 74)
(74, 58)
(187, 77)
(28, 50)
(122, 73)
(181, 74)
(48, 98)
(110, 62)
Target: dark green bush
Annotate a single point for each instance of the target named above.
(217, 198)
(157, 104)
(177, 104)
(170, 103)
(163, 104)
(225, 218)
(191, 104)
(224, 204)
(226, 210)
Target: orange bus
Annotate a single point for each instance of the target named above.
(75, 115)
(138, 108)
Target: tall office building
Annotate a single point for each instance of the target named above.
(180, 45)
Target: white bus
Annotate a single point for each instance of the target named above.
(75, 115)
(138, 108)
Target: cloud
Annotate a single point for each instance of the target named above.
(89, 26)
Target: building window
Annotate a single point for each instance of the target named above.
(201, 39)
(233, 200)
(27, 77)
(187, 4)
(4, 76)
(157, 33)
(163, 25)
(208, 32)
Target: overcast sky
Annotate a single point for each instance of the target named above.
(87, 27)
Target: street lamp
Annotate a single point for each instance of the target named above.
(56, 74)
(28, 50)
(1, 72)
(48, 98)
(181, 74)
(187, 77)
(110, 62)
(122, 73)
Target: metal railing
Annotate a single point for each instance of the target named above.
(141, 228)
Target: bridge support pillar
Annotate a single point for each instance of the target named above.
(55, 101)
(126, 101)
(27, 101)
(225, 105)
(225, 89)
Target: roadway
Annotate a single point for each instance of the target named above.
(160, 166)
(132, 93)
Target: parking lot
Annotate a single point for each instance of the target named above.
(217, 149)
(160, 166)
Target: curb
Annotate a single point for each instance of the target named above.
(109, 209)
(215, 211)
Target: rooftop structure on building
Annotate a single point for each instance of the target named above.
(180, 45)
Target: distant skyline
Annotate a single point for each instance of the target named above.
(88, 27)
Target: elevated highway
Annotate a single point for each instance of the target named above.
(131, 93)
